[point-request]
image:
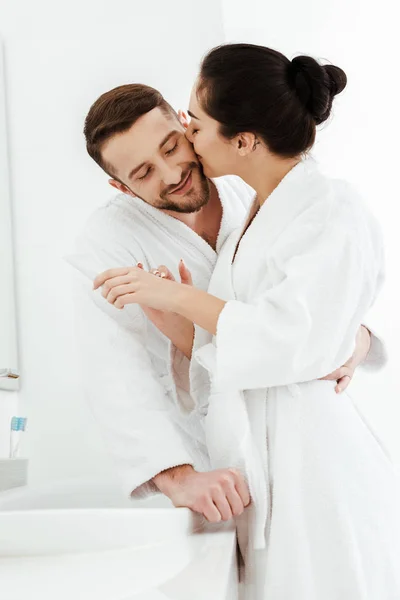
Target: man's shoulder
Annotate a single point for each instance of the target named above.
(119, 212)
(232, 185)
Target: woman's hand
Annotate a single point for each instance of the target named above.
(344, 374)
(134, 285)
(177, 328)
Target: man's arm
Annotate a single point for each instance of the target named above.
(124, 392)
(369, 354)
(131, 407)
(376, 357)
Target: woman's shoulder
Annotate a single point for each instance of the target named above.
(350, 209)
(334, 211)
(330, 200)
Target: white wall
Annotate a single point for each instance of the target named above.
(59, 58)
(361, 143)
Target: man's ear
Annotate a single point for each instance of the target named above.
(120, 187)
(183, 118)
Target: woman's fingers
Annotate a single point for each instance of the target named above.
(112, 283)
(120, 290)
(122, 301)
(110, 274)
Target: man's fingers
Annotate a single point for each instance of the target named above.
(166, 273)
(342, 376)
(186, 276)
(338, 374)
(235, 502)
(241, 487)
(222, 504)
(210, 511)
(342, 384)
(183, 118)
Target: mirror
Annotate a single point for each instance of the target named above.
(9, 374)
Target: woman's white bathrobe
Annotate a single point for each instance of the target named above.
(324, 521)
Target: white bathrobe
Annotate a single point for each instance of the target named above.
(148, 425)
(324, 521)
(137, 399)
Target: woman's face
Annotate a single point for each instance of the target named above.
(216, 154)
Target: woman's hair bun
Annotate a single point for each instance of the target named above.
(316, 85)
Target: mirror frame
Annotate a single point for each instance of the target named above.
(9, 373)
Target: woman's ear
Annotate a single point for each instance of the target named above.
(183, 118)
(120, 187)
(245, 143)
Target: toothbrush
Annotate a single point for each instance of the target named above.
(18, 425)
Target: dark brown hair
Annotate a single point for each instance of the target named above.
(249, 88)
(115, 112)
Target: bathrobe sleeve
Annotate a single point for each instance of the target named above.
(125, 394)
(301, 319)
(377, 357)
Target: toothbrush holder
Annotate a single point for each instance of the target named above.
(13, 473)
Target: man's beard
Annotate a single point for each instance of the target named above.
(191, 202)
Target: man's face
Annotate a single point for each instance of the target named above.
(157, 163)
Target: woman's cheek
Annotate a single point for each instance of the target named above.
(196, 145)
(205, 149)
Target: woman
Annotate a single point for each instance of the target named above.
(286, 299)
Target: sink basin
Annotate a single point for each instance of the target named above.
(85, 516)
(83, 539)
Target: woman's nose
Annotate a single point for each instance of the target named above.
(188, 135)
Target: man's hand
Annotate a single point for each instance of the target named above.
(175, 327)
(344, 374)
(217, 495)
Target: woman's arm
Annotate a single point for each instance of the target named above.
(300, 329)
(198, 306)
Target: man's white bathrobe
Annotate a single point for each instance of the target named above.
(137, 399)
(324, 522)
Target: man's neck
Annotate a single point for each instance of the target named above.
(207, 221)
(209, 218)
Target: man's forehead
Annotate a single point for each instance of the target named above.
(141, 141)
(154, 122)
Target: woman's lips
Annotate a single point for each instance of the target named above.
(186, 186)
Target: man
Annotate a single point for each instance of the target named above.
(166, 210)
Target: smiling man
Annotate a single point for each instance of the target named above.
(166, 210)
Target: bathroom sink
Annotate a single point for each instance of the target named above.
(83, 539)
(85, 516)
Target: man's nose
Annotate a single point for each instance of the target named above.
(171, 175)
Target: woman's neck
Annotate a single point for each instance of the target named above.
(264, 173)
